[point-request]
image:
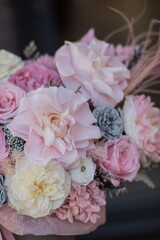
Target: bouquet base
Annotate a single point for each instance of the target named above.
(48, 237)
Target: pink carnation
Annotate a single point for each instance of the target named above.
(4, 149)
(56, 124)
(142, 125)
(10, 96)
(87, 65)
(49, 62)
(83, 204)
(121, 159)
(33, 76)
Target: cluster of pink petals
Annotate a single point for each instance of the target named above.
(83, 204)
(4, 149)
(10, 96)
(123, 53)
(33, 76)
(121, 159)
(56, 123)
(142, 124)
(86, 65)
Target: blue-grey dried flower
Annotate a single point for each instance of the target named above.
(3, 195)
(109, 122)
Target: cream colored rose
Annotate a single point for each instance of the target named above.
(37, 190)
(84, 173)
(9, 64)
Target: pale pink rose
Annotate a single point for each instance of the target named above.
(10, 96)
(86, 65)
(121, 159)
(56, 124)
(83, 203)
(33, 76)
(142, 125)
(4, 149)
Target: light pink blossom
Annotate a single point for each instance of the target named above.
(83, 203)
(4, 149)
(121, 159)
(142, 125)
(33, 76)
(56, 124)
(86, 65)
(10, 96)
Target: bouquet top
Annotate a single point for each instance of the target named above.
(74, 127)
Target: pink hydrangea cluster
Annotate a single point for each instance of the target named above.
(83, 203)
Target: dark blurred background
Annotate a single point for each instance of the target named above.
(133, 215)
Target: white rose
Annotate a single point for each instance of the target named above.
(37, 190)
(84, 173)
(9, 64)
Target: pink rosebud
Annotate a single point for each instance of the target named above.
(10, 96)
(121, 159)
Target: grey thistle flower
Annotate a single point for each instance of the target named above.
(109, 122)
(3, 195)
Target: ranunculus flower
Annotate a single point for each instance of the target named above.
(142, 125)
(33, 76)
(9, 64)
(56, 123)
(4, 149)
(84, 173)
(121, 159)
(10, 96)
(35, 190)
(86, 65)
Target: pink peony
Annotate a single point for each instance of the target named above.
(83, 204)
(33, 76)
(10, 96)
(142, 125)
(121, 159)
(4, 149)
(56, 124)
(122, 53)
(87, 65)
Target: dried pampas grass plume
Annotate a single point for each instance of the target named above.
(8, 167)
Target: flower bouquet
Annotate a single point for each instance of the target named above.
(73, 129)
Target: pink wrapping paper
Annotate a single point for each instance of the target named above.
(49, 225)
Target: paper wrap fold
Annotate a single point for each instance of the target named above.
(49, 225)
